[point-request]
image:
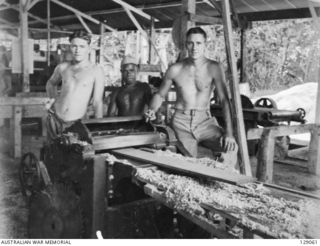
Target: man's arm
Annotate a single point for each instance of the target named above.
(159, 97)
(227, 141)
(51, 86)
(98, 90)
(112, 107)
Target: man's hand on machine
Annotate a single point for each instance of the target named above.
(150, 115)
(228, 143)
(49, 103)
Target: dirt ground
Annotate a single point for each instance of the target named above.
(13, 207)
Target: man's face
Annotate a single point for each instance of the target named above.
(129, 73)
(79, 49)
(196, 45)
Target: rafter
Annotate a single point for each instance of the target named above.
(83, 23)
(120, 10)
(31, 4)
(82, 14)
(134, 9)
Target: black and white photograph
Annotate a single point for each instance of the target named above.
(159, 119)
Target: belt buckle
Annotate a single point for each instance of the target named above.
(192, 112)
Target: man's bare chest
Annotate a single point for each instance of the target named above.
(77, 79)
(198, 80)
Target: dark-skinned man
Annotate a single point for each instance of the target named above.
(133, 96)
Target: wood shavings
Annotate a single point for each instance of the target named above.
(253, 204)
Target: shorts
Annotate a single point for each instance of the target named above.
(56, 127)
(193, 126)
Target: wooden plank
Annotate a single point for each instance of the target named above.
(17, 131)
(12, 101)
(183, 166)
(204, 19)
(238, 113)
(256, 133)
(112, 142)
(265, 157)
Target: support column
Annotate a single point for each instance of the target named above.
(237, 113)
(24, 45)
(188, 7)
(102, 30)
(152, 39)
(49, 32)
(314, 145)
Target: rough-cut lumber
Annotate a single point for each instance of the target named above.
(183, 166)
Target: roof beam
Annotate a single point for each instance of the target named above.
(144, 33)
(119, 10)
(84, 24)
(51, 30)
(134, 9)
(82, 14)
(31, 4)
(216, 5)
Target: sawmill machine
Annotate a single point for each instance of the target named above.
(76, 189)
(114, 177)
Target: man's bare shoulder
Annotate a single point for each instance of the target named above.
(62, 66)
(213, 63)
(175, 68)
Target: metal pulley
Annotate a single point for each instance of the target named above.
(265, 102)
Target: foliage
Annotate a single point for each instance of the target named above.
(280, 53)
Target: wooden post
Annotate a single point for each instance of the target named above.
(314, 146)
(188, 7)
(102, 30)
(17, 136)
(152, 38)
(237, 108)
(49, 32)
(24, 45)
(265, 157)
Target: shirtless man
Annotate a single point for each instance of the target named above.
(81, 81)
(195, 78)
(133, 96)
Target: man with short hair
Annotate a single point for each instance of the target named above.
(81, 82)
(195, 78)
(133, 96)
